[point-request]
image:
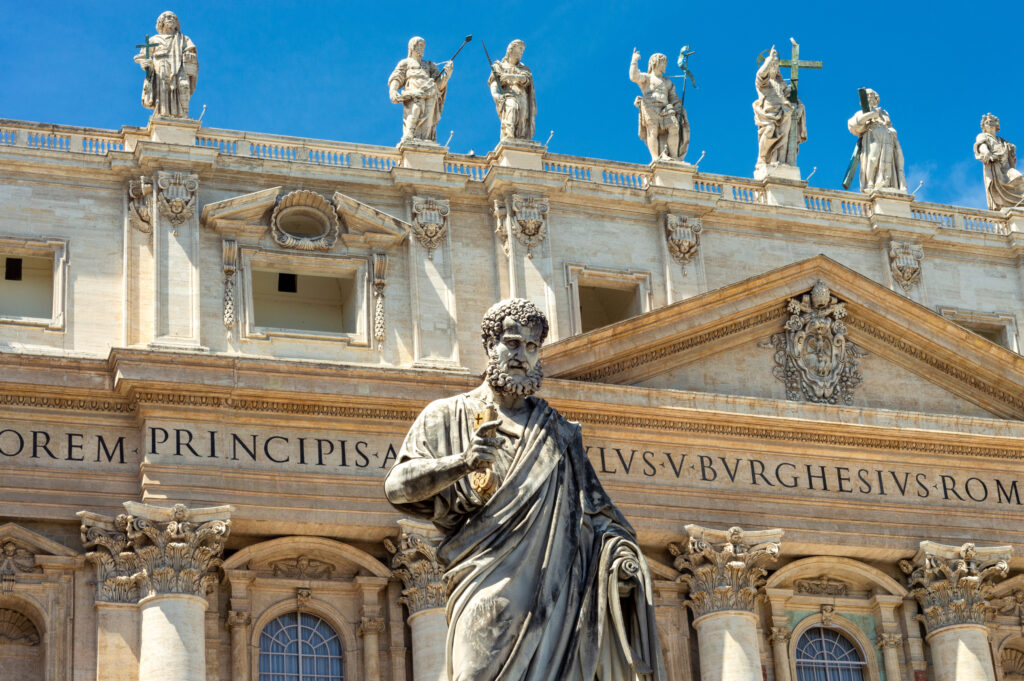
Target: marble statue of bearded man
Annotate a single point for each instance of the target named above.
(420, 87)
(1004, 184)
(171, 69)
(546, 578)
(881, 157)
(511, 84)
(781, 123)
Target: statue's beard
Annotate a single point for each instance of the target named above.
(517, 385)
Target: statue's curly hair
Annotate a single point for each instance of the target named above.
(519, 309)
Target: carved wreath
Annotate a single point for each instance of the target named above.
(304, 207)
(177, 197)
(430, 221)
(683, 237)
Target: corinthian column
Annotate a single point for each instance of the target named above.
(176, 547)
(724, 572)
(415, 563)
(953, 584)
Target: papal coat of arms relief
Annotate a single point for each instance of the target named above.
(813, 356)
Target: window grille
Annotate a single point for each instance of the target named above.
(826, 655)
(298, 646)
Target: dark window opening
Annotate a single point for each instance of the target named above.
(287, 283)
(12, 269)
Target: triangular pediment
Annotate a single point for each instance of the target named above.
(906, 356)
(361, 224)
(31, 542)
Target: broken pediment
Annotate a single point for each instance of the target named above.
(814, 332)
(305, 220)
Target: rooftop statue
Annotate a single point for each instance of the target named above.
(171, 65)
(420, 87)
(881, 158)
(546, 578)
(511, 86)
(780, 117)
(1004, 184)
(663, 124)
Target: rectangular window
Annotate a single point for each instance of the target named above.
(603, 306)
(599, 296)
(997, 327)
(304, 302)
(26, 291)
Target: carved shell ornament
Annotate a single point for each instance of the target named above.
(305, 221)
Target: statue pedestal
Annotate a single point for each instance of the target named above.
(423, 155)
(782, 184)
(524, 154)
(672, 174)
(1015, 219)
(891, 202)
(173, 130)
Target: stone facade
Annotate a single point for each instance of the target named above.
(199, 410)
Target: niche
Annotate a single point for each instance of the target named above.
(26, 287)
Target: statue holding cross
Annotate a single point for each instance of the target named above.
(778, 112)
(171, 66)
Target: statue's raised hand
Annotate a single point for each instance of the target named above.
(636, 55)
(484, 447)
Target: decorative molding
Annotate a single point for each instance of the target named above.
(780, 635)
(229, 263)
(302, 567)
(302, 597)
(304, 206)
(371, 625)
(430, 222)
(117, 566)
(827, 611)
(905, 263)
(883, 641)
(953, 584)
(682, 235)
(140, 213)
(380, 271)
(501, 227)
(176, 198)
(415, 563)
(726, 569)
(81, 404)
(813, 357)
(236, 619)
(822, 586)
(529, 220)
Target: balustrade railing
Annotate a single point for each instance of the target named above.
(72, 139)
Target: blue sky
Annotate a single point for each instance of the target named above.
(320, 70)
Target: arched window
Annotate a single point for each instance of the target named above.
(298, 646)
(826, 655)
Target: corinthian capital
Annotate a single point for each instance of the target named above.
(953, 583)
(117, 566)
(415, 563)
(724, 570)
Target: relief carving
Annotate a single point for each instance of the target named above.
(303, 597)
(305, 221)
(953, 584)
(905, 263)
(822, 586)
(14, 560)
(176, 199)
(430, 222)
(140, 214)
(371, 625)
(683, 237)
(529, 220)
(888, 641)
(237, 619)
(813, 357)
(16, 629)
(302, 567)
(229, 259)
(415, 563)
(380, 273)
(726, 568)
(827, 611)
(1012, 605)
(1012, 662)
(117, 566)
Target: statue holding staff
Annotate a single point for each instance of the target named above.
(420, 87)
(881, 157)
(1004, 184)
(546, 578)
(662, 119)
(779, 116)
(511, 84)
(171, 67)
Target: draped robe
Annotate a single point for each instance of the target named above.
(881, 157)
(534, 572)
(170, 84)
(1004, 184)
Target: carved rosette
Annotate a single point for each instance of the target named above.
(305, 221)
(905, 263)
(415, 563)
(380, 274)
(529, 220)
(140, 214)
(430, 222)
(953, 583)
(682, 235)
(152, 550)
(813, 356)
(724, 570)
(176, 197)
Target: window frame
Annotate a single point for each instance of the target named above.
(869, 653)
(58, 249)
(1004, 322)
(351, 652)
(323, 265)
(577, 274)
(299, 614)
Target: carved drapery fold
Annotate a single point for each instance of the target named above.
(380, 274)
(415, 563)
(430, 222)
(153, 550)
(140, 214)
(905, 263)
(682, 235)
(176, 198)
(725, 569)
(953, 583)
(813, 356)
